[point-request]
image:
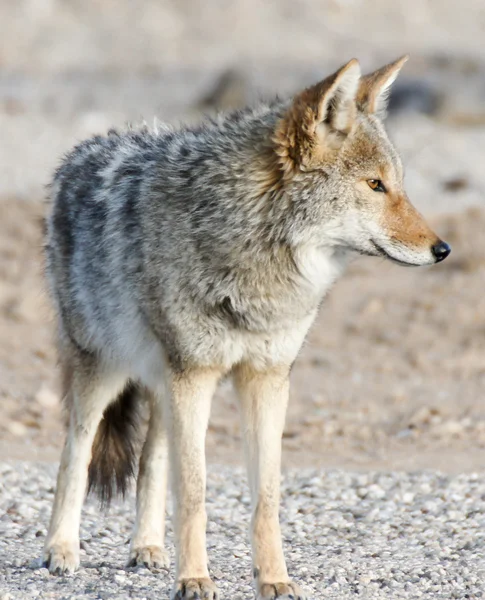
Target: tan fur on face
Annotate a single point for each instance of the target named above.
(405, 224)
(371, 155)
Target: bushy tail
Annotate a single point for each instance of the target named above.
(113, 461)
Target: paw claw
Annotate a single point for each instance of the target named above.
(150, 557)
(61, 558)
(195, 589)
(280, 591)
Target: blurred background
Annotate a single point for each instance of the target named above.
(393, 373)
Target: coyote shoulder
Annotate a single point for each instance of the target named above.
(178, 256)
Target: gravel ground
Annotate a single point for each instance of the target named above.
(372, 535)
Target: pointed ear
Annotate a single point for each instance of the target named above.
(374, 88)
(336, 103)
(319, 118)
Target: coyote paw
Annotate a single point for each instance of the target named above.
(195, 589)
(149, 556)
(62, 558)
(282, 591)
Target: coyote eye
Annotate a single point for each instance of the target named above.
(376, 185)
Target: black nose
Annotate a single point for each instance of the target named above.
(440, 251)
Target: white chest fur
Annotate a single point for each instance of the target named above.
(320, 267)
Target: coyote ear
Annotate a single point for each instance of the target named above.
(336, 99)
(375, 87)
(319, 118)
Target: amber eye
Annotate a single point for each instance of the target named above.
(376, 185)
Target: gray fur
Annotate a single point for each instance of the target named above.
(156, 223)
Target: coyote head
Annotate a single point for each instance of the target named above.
(344, 176)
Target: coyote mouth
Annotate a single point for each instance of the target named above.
(381, 252)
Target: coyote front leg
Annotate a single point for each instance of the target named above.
(264, 398)
(188, 408)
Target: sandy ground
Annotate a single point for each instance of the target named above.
(392, 375)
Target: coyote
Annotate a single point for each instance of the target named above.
(176, 257)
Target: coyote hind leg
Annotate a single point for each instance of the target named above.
(147, 543)
(88, 390)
